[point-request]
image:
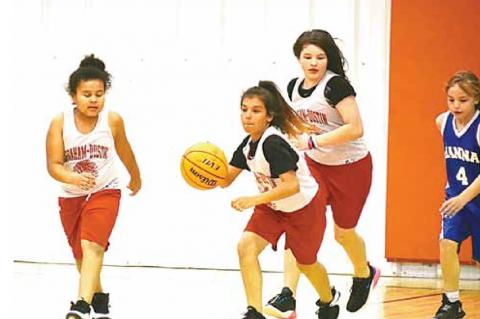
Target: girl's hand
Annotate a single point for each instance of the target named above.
(452, 206)
(134, 185)
(84, 180)
(243, 203)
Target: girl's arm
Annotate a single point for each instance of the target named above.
(288, 186)
(55, 158)
(439, 120)
(453, 205)
(232, 174)
(124, 151)
(350, 131)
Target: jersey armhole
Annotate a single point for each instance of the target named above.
(290, 87)
(478, 135)
(444, 123)
(61, 121)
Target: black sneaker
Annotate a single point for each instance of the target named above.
(329, 310)
(100, 305)
(252, 313)
(79, 310)
(449, 310)
(361, 289)
(282, 305)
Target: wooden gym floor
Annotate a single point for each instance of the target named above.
(44, 291)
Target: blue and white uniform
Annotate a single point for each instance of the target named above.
(462, 151)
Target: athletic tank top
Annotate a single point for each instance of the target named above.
(316, 110)
(93, 152)
(462, 151)
(260, 167)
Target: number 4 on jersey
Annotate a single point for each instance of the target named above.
(462, 176)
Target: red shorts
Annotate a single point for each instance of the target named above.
(91, 219)
(347, 188)
(303, 228)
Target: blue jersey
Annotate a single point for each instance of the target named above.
(462, 153)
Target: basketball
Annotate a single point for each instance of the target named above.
(203, 166)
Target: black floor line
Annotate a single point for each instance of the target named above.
(412, 298)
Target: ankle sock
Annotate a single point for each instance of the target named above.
(453, 296)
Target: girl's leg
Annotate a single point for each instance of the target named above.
(366, 276)
(91, 267)
(318, 277)
(450, 265)
(249, 248)
(291, 273)
(354, 246)
(451, 306)
(99, 287)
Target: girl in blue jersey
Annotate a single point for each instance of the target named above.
(289, 200)
(461, 209)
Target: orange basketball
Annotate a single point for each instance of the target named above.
(203, 166)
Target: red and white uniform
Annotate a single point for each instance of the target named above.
(345, 170)
(266, 181)
(93, 152)
(316, 110)
(301, 217)
(89, 215)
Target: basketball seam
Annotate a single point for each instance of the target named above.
(192, 151)
(193, 163)
(201, 186)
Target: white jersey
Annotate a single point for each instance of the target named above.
(316, 110)
(93, 152)
(260, 167)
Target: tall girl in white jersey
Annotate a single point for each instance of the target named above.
(82, 144)
(289, 201)
(460, 128)
(336, 155)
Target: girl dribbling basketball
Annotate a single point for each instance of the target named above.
(80, 146)
(288, 202)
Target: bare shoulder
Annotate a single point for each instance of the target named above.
(115, 121)
(114, 118)
(440, 118)
(57, 122)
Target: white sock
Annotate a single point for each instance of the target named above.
(453, 296)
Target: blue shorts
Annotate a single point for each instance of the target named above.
(457, 228)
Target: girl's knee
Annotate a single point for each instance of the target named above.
(339, 237)
(448, 246)
(92, 247)
(343, 235)
(246, 247)
(250, 245)
(306, 266)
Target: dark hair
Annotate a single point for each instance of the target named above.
(283, 116)
(322, 39)
(91, 68)
(468, 82)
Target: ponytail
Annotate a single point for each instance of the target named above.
(283, 116)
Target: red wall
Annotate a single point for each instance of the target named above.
(430, 40)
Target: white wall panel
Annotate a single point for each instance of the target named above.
(179, 69)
